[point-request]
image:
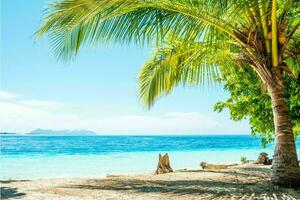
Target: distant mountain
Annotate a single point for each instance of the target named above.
(61, 132)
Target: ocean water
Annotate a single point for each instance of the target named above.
(34, 157)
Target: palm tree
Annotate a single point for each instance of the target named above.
(193, 39)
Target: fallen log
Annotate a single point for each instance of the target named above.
(163, 165)
(206, 165)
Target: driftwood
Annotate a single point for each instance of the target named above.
(206, 165)
(163, 165)
(263, 159)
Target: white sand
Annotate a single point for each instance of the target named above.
(241, 182)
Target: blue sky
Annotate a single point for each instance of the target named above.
(97, 91)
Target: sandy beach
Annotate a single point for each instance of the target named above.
(245, 181)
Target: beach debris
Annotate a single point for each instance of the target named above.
(114, 176)
(206, 165)
(263, 159)
(163, 165)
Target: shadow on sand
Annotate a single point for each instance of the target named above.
(8, 192)
(232, 188)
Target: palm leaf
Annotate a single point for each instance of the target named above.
(71, 23)
(179, 64)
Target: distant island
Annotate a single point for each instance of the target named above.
(62, 132)
(6, 133)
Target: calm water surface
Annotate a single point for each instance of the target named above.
(31, 157)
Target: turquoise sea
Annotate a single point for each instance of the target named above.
(34, 157)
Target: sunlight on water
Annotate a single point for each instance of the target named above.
(50, 157)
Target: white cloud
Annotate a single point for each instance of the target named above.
(6, 95)
(24, 116)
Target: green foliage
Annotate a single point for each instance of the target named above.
(179, 63)
(194, 40)
(248, 100)
(72, 23)
(243, 159)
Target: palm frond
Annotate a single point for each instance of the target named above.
(71, 23)
(179, 64)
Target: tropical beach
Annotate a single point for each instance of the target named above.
(242, 182)
(150, 99)
(39, 157)
(123, 167)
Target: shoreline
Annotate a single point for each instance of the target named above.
(89, 166)
(244, 181)
(67, 166)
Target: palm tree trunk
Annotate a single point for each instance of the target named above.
(285, 166)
